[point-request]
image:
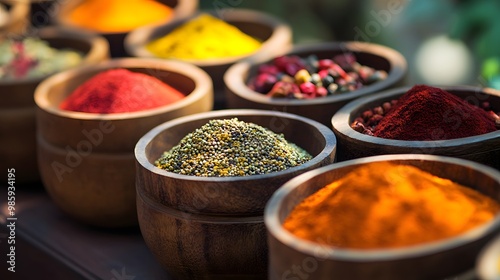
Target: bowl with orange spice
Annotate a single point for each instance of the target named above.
(314, 80)
(213, 40)
(460, 121)
(203, 182)
(399, 216)
(89, 120)
(114, 20)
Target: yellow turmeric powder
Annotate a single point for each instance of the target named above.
(119, 15)
(383, 205)
(204, 37)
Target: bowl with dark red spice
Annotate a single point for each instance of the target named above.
(89, 120)
(384, 217)
(452, 121)
(25, 63)
(203, 182)
(314, 80)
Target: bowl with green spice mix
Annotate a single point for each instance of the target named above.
(460, 121)
(89, 120)
(213, 40)
(23, 65)
(203, 182)
(314, 80)
(385, 217)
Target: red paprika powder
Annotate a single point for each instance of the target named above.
(427, 113)
(120, 91)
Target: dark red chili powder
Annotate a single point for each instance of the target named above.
(427, 113)
(120, 91)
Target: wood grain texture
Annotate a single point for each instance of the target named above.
(438, 260)
(239, 95)
(17, 108)
(237, 196)
(352, 144)
(87, 160)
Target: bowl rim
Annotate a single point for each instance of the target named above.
(340, 121)
(274, 227)
(136, 40)
(235, 76)
(99, 50)
(488, 260)
(141, 158)
(183, 9)
(203, 86)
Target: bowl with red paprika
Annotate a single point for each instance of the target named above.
(89, 120)
(314, 80)
(203, 182)
(387, 217)
(25, 63)
(460, 121)
(213, 40)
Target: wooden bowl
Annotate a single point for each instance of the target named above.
(17, 13)
(274, 34)
(182, 9)
(488, 264)
(199, 226)
(436, 260)
(17, 107)
(352, 144)
(239, 95)
(86, 160)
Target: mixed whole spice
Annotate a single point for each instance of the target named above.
(34, 57)
(230, 147)
(427, 113)
(295, 77)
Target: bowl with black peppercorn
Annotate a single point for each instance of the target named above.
(314, 80)
(385, 217)
(203, 182)
(460, 121)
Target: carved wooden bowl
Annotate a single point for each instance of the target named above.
(182, 8)
(198, 226)
(435, 260)
(352, 144)
(274, 34)
(17, 108)
(86, 160)
(239, 95)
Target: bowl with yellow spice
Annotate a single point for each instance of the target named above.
(314, 80)
(384, 217)
(213, 40)
(23, 65)
(114, 20)
(89, 120)
(456, 121)
(203, 182)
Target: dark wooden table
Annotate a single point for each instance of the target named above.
(50, 245)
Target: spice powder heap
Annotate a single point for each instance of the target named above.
(230, 147)
(383, 205)
(204, 37)
(120, 91)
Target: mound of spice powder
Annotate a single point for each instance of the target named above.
(230, 147)
(204, 37)
(118, 15)
(401, 206)
(427, 113)
(120, 91)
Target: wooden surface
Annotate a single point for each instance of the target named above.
(50, 245)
